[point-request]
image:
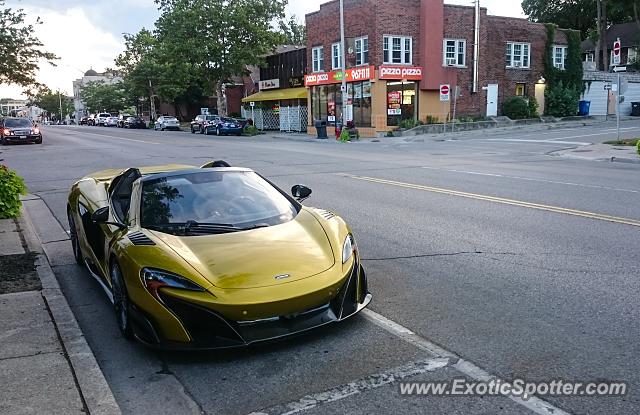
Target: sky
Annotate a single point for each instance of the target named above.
(88, 34)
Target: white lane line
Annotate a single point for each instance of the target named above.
(465, 367)
(353, 388)
(550, 141)
(591, 186)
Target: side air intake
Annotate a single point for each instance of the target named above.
(139, 238)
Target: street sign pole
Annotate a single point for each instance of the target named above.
(618, 107)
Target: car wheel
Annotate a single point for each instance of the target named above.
(75, 242)
(121, 302)
(192, 130)
(39, 141)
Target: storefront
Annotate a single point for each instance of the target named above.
(376, 101)
(278, 109)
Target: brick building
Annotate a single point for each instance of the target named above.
(399, 52)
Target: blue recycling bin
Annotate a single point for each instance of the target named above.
(583, 108)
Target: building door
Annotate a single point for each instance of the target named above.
(492, 100)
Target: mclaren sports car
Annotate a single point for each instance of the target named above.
(213, 256)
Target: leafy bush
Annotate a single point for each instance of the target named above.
(390, 133)
(516, 108)
(638, 147)
(251, 130)
(561, 101)
(344, 135)
(11, 187)
(431, 119)
(533, 108)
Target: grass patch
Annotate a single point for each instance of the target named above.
(628, 142)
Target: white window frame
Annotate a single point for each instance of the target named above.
(560, 61)
(518, 61)
(590, 57)
(405, 49)
(336, 56)
(317, 57)
(459, 54)
(362, 47)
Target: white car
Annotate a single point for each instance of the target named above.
(167, 123)
(111, 122)
(101, 119)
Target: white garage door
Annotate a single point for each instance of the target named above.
(632, 95)
(598, 97)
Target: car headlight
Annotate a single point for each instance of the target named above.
(348, 248)
(154, 279)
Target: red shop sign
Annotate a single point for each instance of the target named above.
(363, 73)
(410, 73)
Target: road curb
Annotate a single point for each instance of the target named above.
(95, 390)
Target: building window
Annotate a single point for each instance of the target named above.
(454, 52)
(326, 102)
(521, 89)
(317, 55)
(362, 51)
(560, 56)
(590, 57)
(397, 50)
(336, 56)
(518, 55)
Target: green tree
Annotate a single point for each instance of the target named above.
(292, 32)
(53, 102)
(20, 51)
(207, 42)
(100, 96)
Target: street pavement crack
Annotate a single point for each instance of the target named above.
(438, 255)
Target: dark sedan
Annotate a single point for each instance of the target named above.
(223, 126)
(19, 130)
(135, 122)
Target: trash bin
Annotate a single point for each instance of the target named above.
(635, 109)
(321, 128)
(583, 108)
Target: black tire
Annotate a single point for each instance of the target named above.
(39, 141)
(121, 302)
(73, 236)
(192, 130)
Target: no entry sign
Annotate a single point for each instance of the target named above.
(445, 92)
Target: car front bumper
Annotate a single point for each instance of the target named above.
(24, 138)
(208, 329)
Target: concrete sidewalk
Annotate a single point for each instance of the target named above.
(46, 364)
(602, 152)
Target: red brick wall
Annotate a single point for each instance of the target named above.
(372, 18)
(495, 32)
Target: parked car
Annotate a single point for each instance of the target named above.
(135, 122)
(101, 119)
(200, 122)
(91, 120)
(83, 121)
(167, 123)
(122, 118)
(187, 256)
(223, 126)
(111, 122)
(19, 130)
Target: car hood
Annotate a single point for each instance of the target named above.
(260, 257)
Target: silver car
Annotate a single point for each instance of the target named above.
(101, 119)
(167, 123)
(111, 122)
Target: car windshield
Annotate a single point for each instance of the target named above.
(229, 120)
(233, 200)
(170, 119)
(104, 115)
(20, 122)
(211, 117)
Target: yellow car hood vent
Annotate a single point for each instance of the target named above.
(260, 257)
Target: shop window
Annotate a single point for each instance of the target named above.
(326, 102)
(336, 56)
(401, 102)
(560, 56)
(362, 51)
(454, 52)
(517, 55)
(317, 55)
(397, 50)
(521, 89)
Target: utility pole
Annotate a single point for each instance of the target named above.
(599, 29)
(60, 99)
(343, 87)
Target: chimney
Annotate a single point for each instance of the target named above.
(431, 38)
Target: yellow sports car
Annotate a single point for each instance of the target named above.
(213, 257)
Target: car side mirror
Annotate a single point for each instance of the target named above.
(300, 192)
(101, 215)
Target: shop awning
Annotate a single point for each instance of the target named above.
(277, 95)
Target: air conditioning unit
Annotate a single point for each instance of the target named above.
(451, 62)
(517, 64)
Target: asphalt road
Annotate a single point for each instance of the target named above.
(486, 254)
